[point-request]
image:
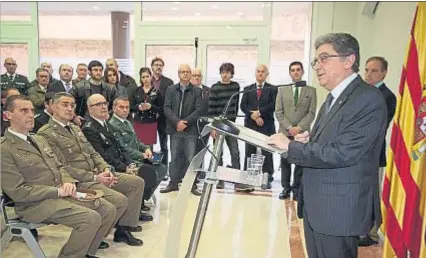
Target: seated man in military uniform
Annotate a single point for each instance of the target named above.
(42, 189)
(98, 133)
(4, 95)
(138, 152)
(90, 169)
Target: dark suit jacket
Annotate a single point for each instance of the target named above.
(266, 106)
(390, 100)
(190, 110)
(340, 191)
(164, 84)
(130, 84)
(106, 145)
(57, 86)
(40, 120)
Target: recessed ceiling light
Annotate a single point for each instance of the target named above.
(95, 7)
(240, 13)
(175, 8)
(176, 2)
(197, 14)
(215, 7)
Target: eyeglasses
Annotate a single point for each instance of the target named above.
(158, 65)
(99, 104)
(323, 58)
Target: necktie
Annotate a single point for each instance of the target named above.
(128, 124)
(328, 102)
(259, 91)
(296, 95)
(68, 128)
(11, 77)
(67, 87)
(31, 141)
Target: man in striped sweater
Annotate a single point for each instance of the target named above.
(219, 95)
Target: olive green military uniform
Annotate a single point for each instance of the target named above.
(37, 96)
(31, 177)
(19, 82)
(127, 137)
(85, 162)
(76, 80)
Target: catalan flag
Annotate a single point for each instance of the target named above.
(404, 188)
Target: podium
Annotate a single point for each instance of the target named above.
(213, 174)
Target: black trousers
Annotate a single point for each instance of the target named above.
(268, 164)
(286, 174)
(161, 128)
(325, 246)
(152, 175)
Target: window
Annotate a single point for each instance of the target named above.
(15, 11)
(78, 32)
(290, 39)
(173, 56)
(17, 51)
(202, 11)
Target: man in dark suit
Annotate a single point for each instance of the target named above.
(196, 80)
(339, 197)
(259, 106)
(101, 137)
(65, 83)
(376, 68)
(161, 83)
(43, 118)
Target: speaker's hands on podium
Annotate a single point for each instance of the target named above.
(281, 141)
(302, 137)
(260, 122)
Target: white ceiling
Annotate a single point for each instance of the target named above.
(154, 8)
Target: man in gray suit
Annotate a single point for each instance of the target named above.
(339, 198)
(295, 109)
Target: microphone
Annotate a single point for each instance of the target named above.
(224, 124)
(196, 42)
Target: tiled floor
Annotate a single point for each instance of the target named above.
(253, 225)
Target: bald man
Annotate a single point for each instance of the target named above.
(182, 107)
(11, 79)
(65, 83)
(258, 106)
(124, 80)
(196, 80)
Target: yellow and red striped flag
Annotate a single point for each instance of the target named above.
(404, 188)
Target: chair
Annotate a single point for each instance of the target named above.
(18, 227)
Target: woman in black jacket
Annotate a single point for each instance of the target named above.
(147, 108)
(111, 77)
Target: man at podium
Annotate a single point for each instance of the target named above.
(339, 196)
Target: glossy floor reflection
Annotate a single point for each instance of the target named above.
(256, 225)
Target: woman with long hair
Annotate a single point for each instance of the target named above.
(111, 77)
(147, 108)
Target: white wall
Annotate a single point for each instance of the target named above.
(386, 35)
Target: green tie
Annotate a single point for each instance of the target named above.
(296, 95)
(128, 124)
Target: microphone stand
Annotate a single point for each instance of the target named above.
(224, 124)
